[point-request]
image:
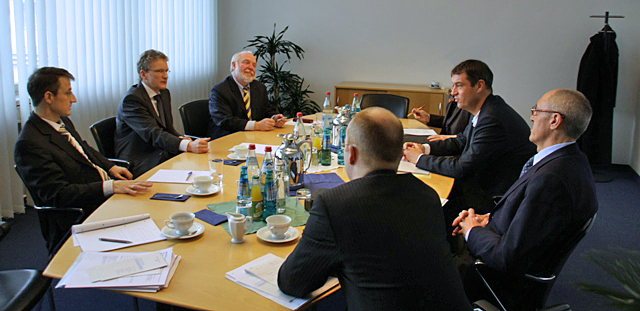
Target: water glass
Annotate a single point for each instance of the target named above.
(303, 195)
(215, 169)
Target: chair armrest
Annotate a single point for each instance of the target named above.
(57, 210)
(120, 162)
(483, 305)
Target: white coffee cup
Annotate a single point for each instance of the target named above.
(241, 151)
(278, 225)
(181, 222)
(202, 183)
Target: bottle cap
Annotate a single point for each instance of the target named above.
(328, 93)
(355, 94)
(252, 147)
(299, 114)
(267, 149)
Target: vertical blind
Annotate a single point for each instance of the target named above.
(99, 42)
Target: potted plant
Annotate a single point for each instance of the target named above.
(286, 89)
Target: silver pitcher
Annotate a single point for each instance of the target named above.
(342, 119)
(296, 162)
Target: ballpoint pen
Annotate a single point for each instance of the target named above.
(188, 175)
(115, 240)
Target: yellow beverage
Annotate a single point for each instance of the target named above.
(256, 200)
(317, 142)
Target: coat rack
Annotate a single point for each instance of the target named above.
(606, 16)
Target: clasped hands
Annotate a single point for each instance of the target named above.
(267, 124)
(125, 184)
(412, 151)
(468, 219)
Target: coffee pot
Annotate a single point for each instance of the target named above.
(296, 162)
(342, 119)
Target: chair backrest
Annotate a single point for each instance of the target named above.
(399, 105)
(195, 117)
(529, 291)
(103, 133)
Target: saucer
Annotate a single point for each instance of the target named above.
(214, 189)
(195, 230)
(265, 235)
(233, 156)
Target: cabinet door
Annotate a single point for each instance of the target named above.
(346, 95)
(430, 100)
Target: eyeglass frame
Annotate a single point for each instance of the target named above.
(535, 110)
(160, 71)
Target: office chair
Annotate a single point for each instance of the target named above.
(195, 118)
(55, 222)
(21, 289)
(399, 105)
(529, 291)
(103, 133)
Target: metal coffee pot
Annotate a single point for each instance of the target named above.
(294, 158)
(342, 119)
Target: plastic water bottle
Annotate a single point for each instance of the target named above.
(270, 193)
(341, 146)
(355, 105)
(253, 168)
(266, 164)
(298, 131)
(243, 205)
(327, 119)
(282, 186)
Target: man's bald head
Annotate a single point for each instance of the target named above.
(574, 106)
(377, 133)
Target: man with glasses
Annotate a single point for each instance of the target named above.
(553, 198)
(145, 135)
(487, 157)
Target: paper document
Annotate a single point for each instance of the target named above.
(260, 276)
(260, 147)
(409, 167)
(78, 275)
(139, 229)
(176, 176)
(420, 132)
(127, 267)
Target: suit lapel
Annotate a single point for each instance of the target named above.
(58, 139)
(235, 90)
(142, 92)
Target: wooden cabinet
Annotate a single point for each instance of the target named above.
(434, 99)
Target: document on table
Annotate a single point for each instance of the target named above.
(79, 275)
(260, 147)
(138, 229)
(420, 132)
(176, 176)
(406, 166)
(261, 276)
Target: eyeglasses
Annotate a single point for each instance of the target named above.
(535, 110)
(161, 71)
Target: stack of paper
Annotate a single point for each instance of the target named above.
(116, 233)
(142, 272)
(420, 132)
(409, 167)
(177, 176)
(261, 276)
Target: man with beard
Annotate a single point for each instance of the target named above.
(240, 103)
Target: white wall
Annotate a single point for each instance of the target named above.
(531, 46)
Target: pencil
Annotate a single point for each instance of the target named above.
(421, 107)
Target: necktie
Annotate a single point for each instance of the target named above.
(160, 109)
(527, 166)
(247, 100)
(74, 143)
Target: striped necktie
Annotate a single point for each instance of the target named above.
(247, 100)
(74, 143)
(526, 166)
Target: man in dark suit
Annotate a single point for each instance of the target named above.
(144, 133)
(553, 199)
(240, 103)
(381, 233)
(58, 167)
(487, 157)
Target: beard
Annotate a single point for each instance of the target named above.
(247, 77)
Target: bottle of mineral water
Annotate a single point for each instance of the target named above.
(327, 119)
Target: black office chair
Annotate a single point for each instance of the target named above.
(55, 222)
(195, 118)
(529, 291)
(399, 105)
(103, 133)
(21, 289)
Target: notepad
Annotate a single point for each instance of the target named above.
(138, 229)
(176, 176)
(420, 132)
(409, 167)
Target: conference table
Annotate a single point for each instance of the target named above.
(199, 281)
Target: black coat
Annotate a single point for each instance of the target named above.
(454, 121)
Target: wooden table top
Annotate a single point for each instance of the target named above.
(199, 281)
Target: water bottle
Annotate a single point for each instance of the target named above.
(341, 145)
(327, 119)
(243, 205)
(282, 186)
(253, 168)
(298, 131)
(266, 164)
(355, 105)
(270, 194)
(256, 198)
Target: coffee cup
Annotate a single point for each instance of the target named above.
(181, 222)
(202, 183)
(241, 151)
(278, 225)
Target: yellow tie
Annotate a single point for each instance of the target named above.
(247, 101)
(74, 143)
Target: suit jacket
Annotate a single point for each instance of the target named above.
(227, 109)
(55, 173)
(485, 160)
(140, 136)
(453, 122)
(547, 204)
(384, 237)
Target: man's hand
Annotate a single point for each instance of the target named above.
(280, 120)
(421, 115)
(120, 172)
(200, 145)
(468, 219)
(265, 124)
(440, 137)
(131, 186)
(412, 151)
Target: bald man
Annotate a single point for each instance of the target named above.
(553, 198)
(381, 233)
